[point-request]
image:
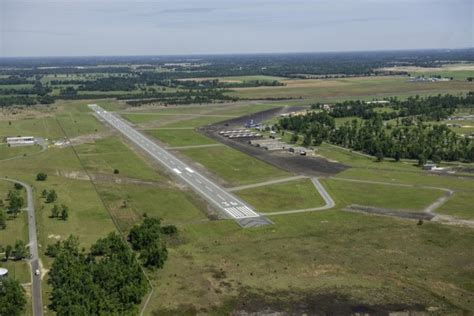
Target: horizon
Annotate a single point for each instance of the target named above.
(447, 49)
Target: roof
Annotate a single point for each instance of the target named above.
(3, 271)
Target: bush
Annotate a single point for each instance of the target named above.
(41, 176)
(116, 171)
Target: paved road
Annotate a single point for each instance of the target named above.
(36, 279)
(229, 204)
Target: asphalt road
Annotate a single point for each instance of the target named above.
(229, 204)
(33, 244)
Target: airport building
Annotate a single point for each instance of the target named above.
(20, 141)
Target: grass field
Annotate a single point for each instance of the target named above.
(128, 203)
(183, 137)
(106, 155)
(353, 87)
(460, 205)
(286, 196)
(385, 196)
(233, 166)
(368, 258)
(7, 152)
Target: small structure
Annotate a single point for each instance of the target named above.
(429, 166)
(21, 141)
(3, 273)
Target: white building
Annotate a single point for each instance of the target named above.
(21, 141)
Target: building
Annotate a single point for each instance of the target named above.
(21, 141)
(3, 273)
(429, 166)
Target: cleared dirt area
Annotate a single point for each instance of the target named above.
(305, 165)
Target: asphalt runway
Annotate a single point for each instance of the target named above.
(226, 202)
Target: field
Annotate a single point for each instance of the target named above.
(10, 152)
(183, 137)
(326, 259)
(386, 196)
(376, 87)
(233, 166)
(286, 196)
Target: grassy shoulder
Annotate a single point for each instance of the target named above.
(128, 203)
(286, 196)
(180, 137)
(233, 166)
(379, 195)
(105, 155)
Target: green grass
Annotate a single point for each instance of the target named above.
(195, 122)
(461, 205)
(377, 195)
(169, 203)
(233, 166)
(406, 177)
(286, 196)
(138, 118)
(183, 137)
(19, 270)
(45, 127)
(371, 259)
(105, 155)
(7, 152)
(354, 87)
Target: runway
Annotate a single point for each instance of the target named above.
(226, 202)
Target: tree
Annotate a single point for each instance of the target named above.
(145, 234)
(12, 297)
(55, 211)
(44, 193)
(294, 138)
(3, 219)
(116, 171)
(379, 156)
(64, 212)
(19, 250)
(154, 255)
(18, 186)
(82, 284)
(41, 176)
(8, 251)
(16, 202)
(51, 197)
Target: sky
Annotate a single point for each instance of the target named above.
(182, 27)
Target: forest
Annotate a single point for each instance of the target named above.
(109, 279)
(409, 134)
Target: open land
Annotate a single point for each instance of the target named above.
(326, 261)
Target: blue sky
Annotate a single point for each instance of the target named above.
(117, 27)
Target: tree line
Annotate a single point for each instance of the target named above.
(409, 136)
